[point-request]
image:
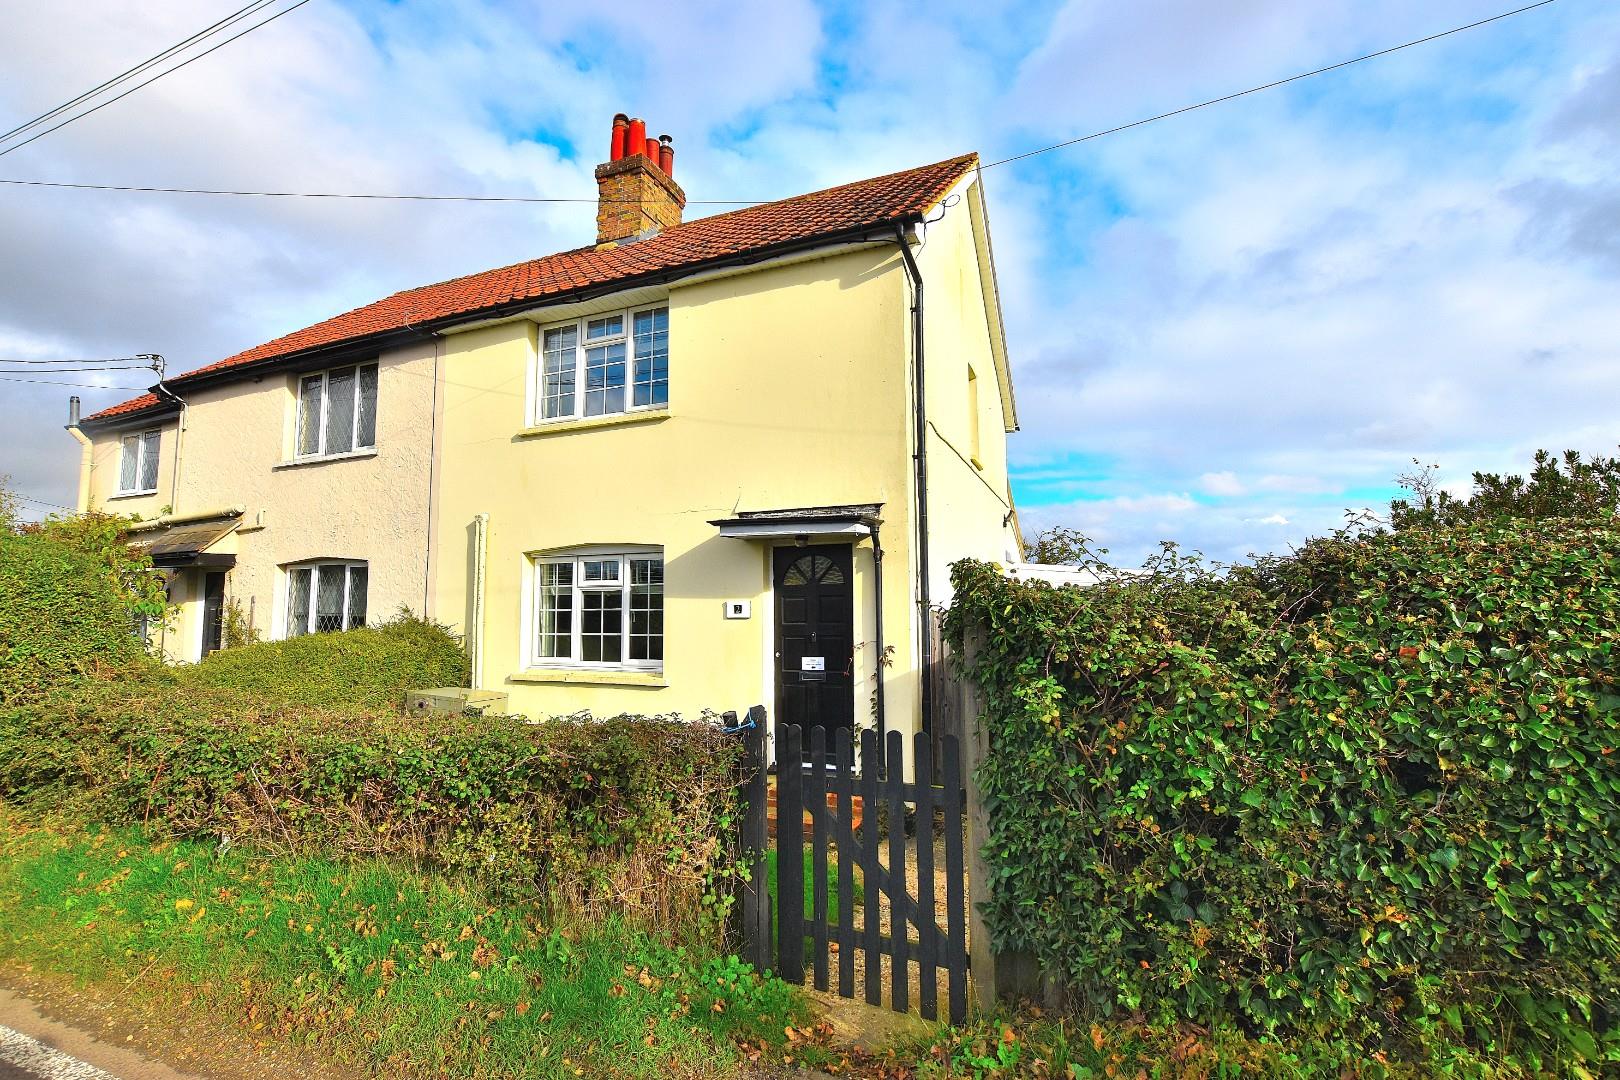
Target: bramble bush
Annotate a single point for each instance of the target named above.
(1370, 789)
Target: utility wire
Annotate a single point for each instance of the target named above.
(1269, 85)
(66, 370)
(357, 195)
(750, 202)
(137, 69)
(59, 382)
(38, 502)
(153, 79)
(104, 360)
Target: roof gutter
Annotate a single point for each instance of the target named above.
(919, 457)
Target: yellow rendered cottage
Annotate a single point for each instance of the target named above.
(689, 467)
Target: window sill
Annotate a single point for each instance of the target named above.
(584, 423)
(133, 494)
(590, 678)
(352, 455)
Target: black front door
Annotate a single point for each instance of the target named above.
(213, 611)
(815, 634)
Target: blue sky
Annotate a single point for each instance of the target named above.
(1226, 328)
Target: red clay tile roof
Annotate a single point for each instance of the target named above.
(882, 200)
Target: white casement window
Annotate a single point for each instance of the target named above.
(604, 364)
(325, 596)
(138, 464)
(599, 610)
(337, 411)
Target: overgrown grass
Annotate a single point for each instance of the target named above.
(410, 974)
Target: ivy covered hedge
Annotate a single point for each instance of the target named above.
(62, 614)
(1371, 788)
(625, 815)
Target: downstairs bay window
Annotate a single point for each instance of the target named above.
(599, 610)
(325, 596)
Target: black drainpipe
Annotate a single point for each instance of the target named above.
(877, 584)
(920, 459)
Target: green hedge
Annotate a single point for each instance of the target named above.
(1371, 788)
(62, 614)
(372, 666)
(625, 815)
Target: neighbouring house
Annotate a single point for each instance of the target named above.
(691, 466)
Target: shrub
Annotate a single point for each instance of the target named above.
(629, 816)
(62, 613)
(371, 666)
(1370, 788)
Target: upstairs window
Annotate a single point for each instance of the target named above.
(138, 464)
(600, 610)
(326, 596)
(604, 364)
(337, 411)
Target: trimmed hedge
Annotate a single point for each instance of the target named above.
(625, 815)
(373, 666)
(62, 614)
(1372, 788)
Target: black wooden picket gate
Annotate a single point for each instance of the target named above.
(824, 782)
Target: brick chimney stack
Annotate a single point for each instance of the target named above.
(637, 195)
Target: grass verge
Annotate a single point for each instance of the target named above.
(406, 973)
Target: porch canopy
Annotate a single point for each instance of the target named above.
(853, 519)
(183, 544)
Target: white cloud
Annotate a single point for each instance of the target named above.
(1221, 483)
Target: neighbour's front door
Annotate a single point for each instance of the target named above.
(213, 629)
(815, 624)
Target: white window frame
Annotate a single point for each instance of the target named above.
(140, 437)
(578, 588)
(320, 421)
(537, 381)
(313, 566)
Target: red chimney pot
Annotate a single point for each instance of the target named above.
(650, 148)
(666, 155)
(636, 138)
(621, 123)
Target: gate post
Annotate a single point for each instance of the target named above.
(996, 975)
(756, 897)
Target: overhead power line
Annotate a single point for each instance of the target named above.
(167, 71)
(66, 370)
(136, 70)
(146, 360)
(59, 382)
(1269, 85)
(360, 195)
(740, 202)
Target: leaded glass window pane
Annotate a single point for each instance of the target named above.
(298, 601)
(365, 425)
(357, 597)
(149, 461)
(340, 411)
(652, 358)
(557, 378)
(309, 415)
(129, 464)
(646, 609)
(329, 588)
(601, 626)
(604, 379)
(556, 630)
